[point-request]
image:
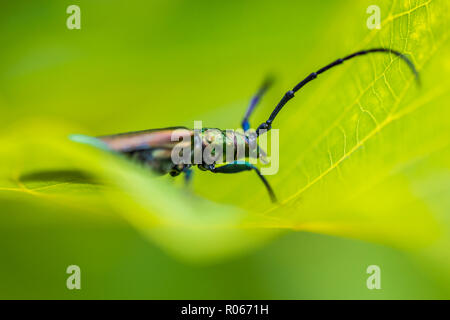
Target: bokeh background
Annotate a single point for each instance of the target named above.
(147, 64)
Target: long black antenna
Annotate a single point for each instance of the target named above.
(290, 94)
(255, 99)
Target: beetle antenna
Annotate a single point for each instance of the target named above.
(290, 94)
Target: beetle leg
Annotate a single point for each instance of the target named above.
(188, 175)
(240, 166)
(255, 99)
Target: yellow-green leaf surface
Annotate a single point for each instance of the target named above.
(364, 150)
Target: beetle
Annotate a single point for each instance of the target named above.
(155, 147)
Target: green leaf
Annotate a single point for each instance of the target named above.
(364, 154)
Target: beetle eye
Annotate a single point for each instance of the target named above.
(209, 138)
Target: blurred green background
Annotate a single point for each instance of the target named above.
(135, 65)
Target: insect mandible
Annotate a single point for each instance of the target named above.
(154, 147)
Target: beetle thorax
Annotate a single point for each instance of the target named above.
(227, 145)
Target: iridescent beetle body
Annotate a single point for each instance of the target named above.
(155, 147)
(151, 147)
